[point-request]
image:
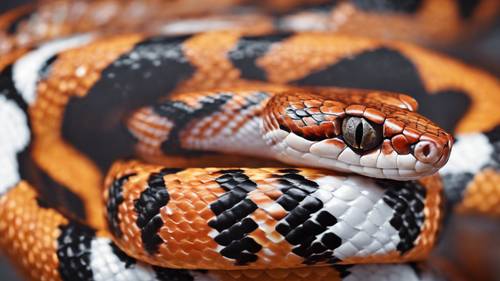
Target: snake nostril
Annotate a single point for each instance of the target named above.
(426, 152)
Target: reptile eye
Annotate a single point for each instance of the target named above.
(361, 134)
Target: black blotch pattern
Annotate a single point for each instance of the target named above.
(167, 274)
(248, 50)
(9, 91)
(115, 198)
(298, 228)
(122, 256)
(405, 6)
(389, 70)
(152, 69)
(232, 210)
(13, 26)
(74, 252)
(57, 195)
(181, 115)
(407, 199)
(148, 206)
(467, 7)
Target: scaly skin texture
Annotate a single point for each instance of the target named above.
(69, 108)
(244, 211)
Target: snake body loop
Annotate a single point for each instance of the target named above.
(258, 154)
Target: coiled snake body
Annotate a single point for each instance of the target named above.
(71, 108)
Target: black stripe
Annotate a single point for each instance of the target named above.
(298, 227)
(232, 221)
(152, 69)
(181, 115)
(407, 199)
(13, 26)
(9, 90)
(74, 252)
(248, 50)
(56, 195)
(148, 206)
(115, 198)
(404, 6)
(167, 274)
(389, 70)
(467, 7)
(46, 68)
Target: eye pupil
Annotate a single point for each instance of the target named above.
(359, 134)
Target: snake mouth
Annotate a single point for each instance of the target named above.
(333, 153)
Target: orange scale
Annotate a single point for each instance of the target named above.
(185, 226)
(355, 109)
(175, 195)
(335, 110)
(172, 247)
(331, 103)
(183, 205)
(312, 103)
(374, 115)
(209, 253)
(200, 223)
(411, 134)
(387, 147)
(392, 127)
(311, 131)
(329, 129)
(330, 118)
(175, 217)
(400, 144)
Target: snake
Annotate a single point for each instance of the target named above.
(167, 145)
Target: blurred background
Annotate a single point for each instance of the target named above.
(472, 243)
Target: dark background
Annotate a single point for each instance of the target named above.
(477, 234)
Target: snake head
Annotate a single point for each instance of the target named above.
(372, 133)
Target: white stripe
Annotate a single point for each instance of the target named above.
(26, 69)
(13, 139)
(106, 266)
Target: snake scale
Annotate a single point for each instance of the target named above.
(292, 144)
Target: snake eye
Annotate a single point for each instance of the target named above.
(361, 134)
